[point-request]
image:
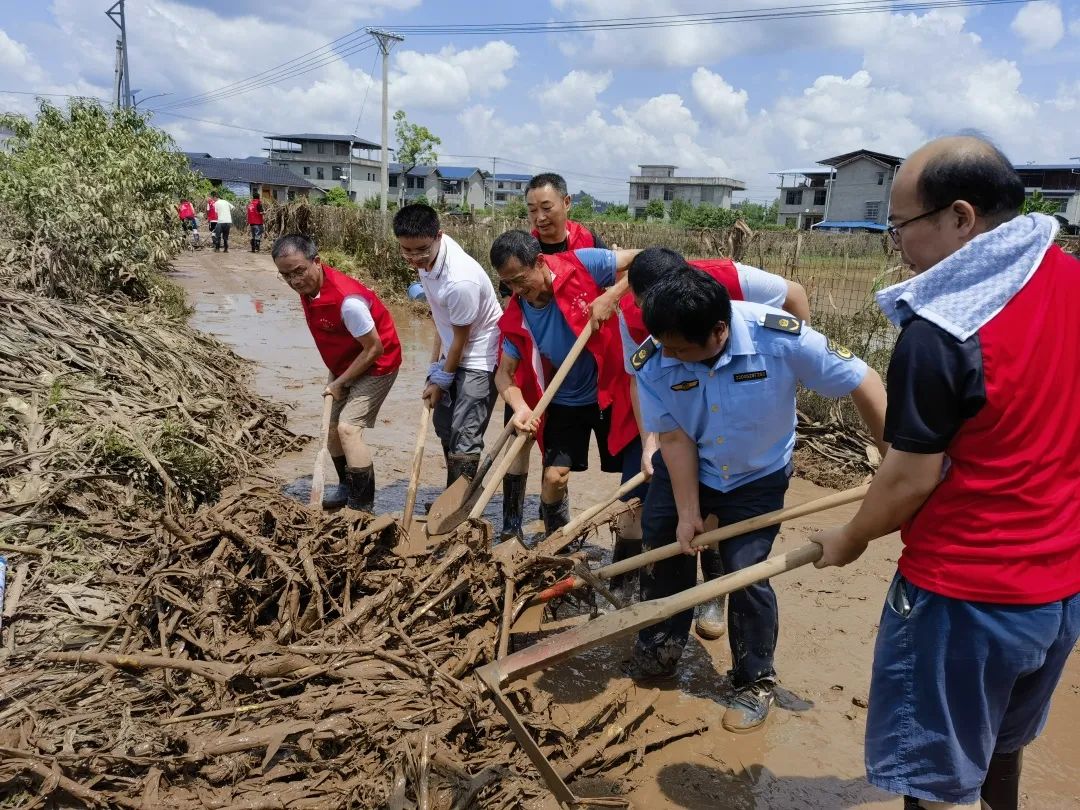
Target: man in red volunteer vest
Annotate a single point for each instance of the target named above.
(554, 298)
(255, 222)
(983, 478)
(548, 205)
(356, 337)
(211, 215)
(743, 283)
(187, 214)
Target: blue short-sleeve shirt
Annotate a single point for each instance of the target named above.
(741, 410)
(554, 338)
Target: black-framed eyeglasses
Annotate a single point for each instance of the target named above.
(894, 230)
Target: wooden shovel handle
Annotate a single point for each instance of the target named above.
(559, 539)
(318, 475)
(549, 394)
(564, 586)
(489, 459)
(414, 476)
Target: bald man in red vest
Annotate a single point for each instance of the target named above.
(355, 334)
(983, 479)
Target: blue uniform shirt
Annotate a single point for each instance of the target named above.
(554, 338)
(741, 410)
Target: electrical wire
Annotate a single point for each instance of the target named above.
(704, 18)
(292, 64)
(276, 78)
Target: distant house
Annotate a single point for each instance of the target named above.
(658, 181)
(1057, 182)
(249, 179)
(461, 186)
(502, 188)
(420, 183)
(803, 196)
(5, 136)
(329, 161)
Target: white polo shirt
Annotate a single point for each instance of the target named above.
(460, 293)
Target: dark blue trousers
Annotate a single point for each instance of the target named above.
(753, 619)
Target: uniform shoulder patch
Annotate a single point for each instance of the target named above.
(642, 354)
(783, 323)
(843, 352)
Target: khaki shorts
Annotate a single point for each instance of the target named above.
(363, 401)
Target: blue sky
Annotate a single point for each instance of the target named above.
(737, 100)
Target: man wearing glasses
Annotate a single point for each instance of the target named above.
(460, 383)
(355, 334)
(983, 479)
(554, 298)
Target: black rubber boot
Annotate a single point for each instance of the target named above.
(555, 515)
(342, 468)
(513, 506)
(361, 484)
(461, 465)
(1001, 788)
(254, 246)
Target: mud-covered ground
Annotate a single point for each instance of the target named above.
(810, 753)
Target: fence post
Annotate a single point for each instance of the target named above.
(795, 255)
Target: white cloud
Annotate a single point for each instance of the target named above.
(450, 78)
(577, 90)
(1074, 28)
(721, 102)
(1040, 25)
(703, 43)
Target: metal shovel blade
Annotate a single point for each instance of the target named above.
(452, 507)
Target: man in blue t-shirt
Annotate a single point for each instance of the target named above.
(575, 412)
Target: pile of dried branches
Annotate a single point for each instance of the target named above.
(102, 403)
(258, 654)
(836, 452)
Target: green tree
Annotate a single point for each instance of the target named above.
(337, 197)
(654, 210)
(1038, 204)
(584, 209)
(617, 213)
(416, 147)
(515, 208)
(680, 210)
(95, 191)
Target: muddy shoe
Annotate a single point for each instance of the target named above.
(653, 663)
(711, 622)
(749, 708)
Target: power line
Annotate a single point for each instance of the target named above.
(276, 79)
(291, 64)
(707, 18)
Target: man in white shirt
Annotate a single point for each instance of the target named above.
(223, 209)
(460, 383)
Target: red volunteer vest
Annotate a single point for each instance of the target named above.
(574, 290)
(334, 342)
(186, 210)
(254, 215)
(577, 236)
(211, 212)
(1004, 523)
(723, 270)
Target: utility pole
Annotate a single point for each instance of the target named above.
(123, 79)
(386, 40)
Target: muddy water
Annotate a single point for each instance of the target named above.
(810, 753)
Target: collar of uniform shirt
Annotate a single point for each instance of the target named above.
(739, 343)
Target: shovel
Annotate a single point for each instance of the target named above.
(414, 477)
(549, 394)
(529, 611)
(453, 506)
(318, 477)
(607, 628)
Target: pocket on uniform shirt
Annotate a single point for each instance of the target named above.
(749, 400)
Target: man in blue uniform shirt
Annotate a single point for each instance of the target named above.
(718, 385)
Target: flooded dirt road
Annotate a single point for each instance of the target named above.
(810, 754)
